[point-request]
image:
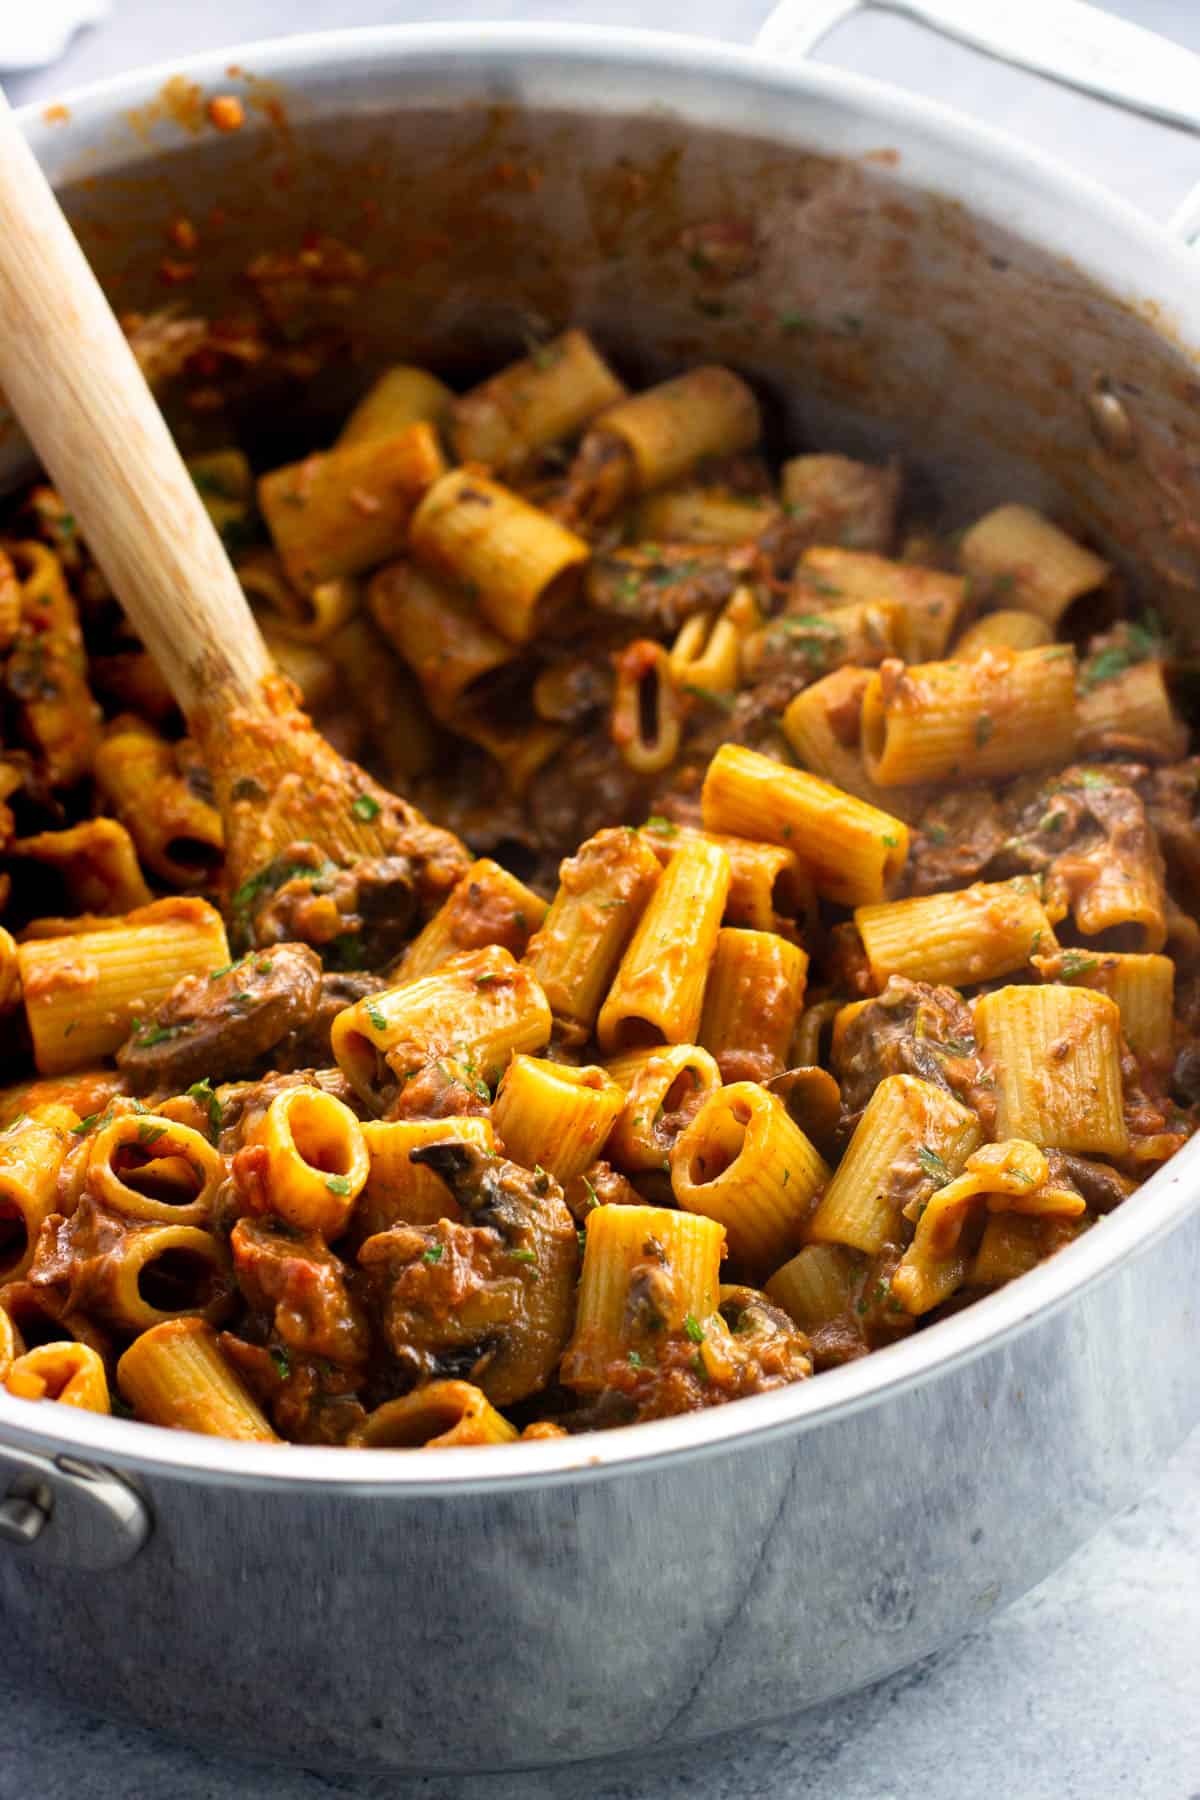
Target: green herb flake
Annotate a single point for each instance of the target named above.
(891, 840)
(156, 1034)
(282, 1361)
(667, 827)
(937, 834)
(983, 730)
(434, 1253)
(635, 1361)
(699, 1366)
(338, 1184)
(378, 1019)
(593, 1196)
(1076, 964)
(149, 1134)
(726, 702)
(933, 1165)
(694, 1329)
(524, 1256)
(365, 807)
(202, 1093)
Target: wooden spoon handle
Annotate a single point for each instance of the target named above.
(72, 381)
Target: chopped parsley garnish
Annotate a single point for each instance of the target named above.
(338, 1184)
(699, 1366)
(365, 807)
(149, 1035)
(1076, 963)
(983, 730)
(377, 1018)
(635, 1361)
(593, 1196)
(937, 834)
(524, 1256)
(694, 1329)
(149, 1133)
(282, 1361)
(933, 1164)
(433, 1254)
(891, 840)
(726, 702)
(656, 822)
(202, 1093)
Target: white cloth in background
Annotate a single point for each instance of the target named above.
(35, 34)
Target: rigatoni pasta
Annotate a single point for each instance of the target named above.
(808, 895)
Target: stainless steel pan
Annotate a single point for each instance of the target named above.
(915, 283)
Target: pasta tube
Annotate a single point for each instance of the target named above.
(928, 601)
(912, 1136)
(300, 616)
(178, 834)
(703, 515)
(399, 1191)
(400, 397)
(344, 511)
(96, 862)
(1005, 712)
(318, 1159)
(768, 889)
(518, 563)
(743, 1162)
(958, 939)
(602, 894)
(442, 1415)
(10, 1342)
(71, 1373)
(175, 1375)
(823, 724)
(664, 1088)
(83, 992)
(853, 852)
(646, 1272)
(555, 1116)
(647, 714)
(148, 1167)
(1130, 712)
(669, 429)
(46, 671)
(816, 1285)
(480, 1007)
(1056, 1054)
(1009, 1176)
(1016, 554)
(1004, 630)
(32, 1152)
(546, 398)
(488, 906)
(159, 1272)
(658, 992)
(752, 1002)
(1143, 988)
(437, 631)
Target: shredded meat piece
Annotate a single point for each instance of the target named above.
(296, 1280)
(1172, 800)
(307, 1046)
(581, 790)
(602, 1185)
(657, 587)
(309, 1399)
(221, 1025)
(834, 500)
(489, 1301)
(913, 1029)
(957, 837)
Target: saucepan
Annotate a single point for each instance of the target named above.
(905, 281)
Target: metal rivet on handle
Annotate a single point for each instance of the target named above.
(21, 1521)
(1110, 422)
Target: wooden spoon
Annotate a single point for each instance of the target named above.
(286, 797)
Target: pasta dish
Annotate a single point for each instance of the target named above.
(786, 936)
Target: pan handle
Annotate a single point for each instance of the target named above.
(1069, 41)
